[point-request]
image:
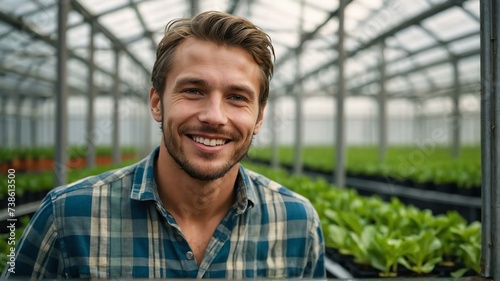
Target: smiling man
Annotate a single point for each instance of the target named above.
(188, 210)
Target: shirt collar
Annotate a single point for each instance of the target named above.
(245, 191)
(144, 185)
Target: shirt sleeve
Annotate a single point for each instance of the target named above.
(316, 257)
(38, 252)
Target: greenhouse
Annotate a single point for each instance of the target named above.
(381, 114)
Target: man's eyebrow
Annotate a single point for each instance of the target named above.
(242, 88)
(191, 80)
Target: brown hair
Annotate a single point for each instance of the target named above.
(222, 29)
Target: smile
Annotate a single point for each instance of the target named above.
(209, 142)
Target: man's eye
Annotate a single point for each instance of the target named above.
(192, 91)
(237, 98)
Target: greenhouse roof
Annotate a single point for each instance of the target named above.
(424, 46)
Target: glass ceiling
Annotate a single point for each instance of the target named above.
(420, 43)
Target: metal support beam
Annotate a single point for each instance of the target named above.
(194, 7)
(299, 104)
(420, 127)
(299, 130)
(19, 119)
(90, 139)
(309, 36)
(140, 17)
(61, 116)
(34, 121)
(112, 37)
(340, 122)
(382, 104)
(455, 114)
(232, 8)
(274, 133)
(20, 25)
(417, 19)
(417, 68)
(4, 129)
(116, 109)
(490, 139)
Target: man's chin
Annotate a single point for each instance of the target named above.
(206, 172)
(204, 176)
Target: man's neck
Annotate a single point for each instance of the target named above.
(191, 199)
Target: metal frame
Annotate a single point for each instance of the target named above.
(338, 86)
(490, 138)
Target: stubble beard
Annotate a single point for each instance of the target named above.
(175, 150)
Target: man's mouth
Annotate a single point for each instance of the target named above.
(209, 142)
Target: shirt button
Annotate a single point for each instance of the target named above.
(189, 255)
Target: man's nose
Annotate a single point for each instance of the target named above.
(214, 111)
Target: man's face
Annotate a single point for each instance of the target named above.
(210, 108)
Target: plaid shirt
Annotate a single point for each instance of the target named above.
(114, 225)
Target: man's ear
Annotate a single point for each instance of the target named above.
(260, 119)
(155, 104)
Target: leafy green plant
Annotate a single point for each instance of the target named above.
(423, 253)
(443, 226)
(360, 243)
(469, 251)
(419, 219)
(386, 253)
(6, 155)
(391, 215)
(336, 237)
(386, 234)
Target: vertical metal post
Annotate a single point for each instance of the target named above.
(456, 116)
(299, 131)
(195, 7)
(490, 68)
(4, 130)
(495, 141)
(274, 134)
(340, 122)
(299, 112)
(61, 116)
(90, 157)
(418, 124)
(34, 122)
(382, 102)
(116, 109)
(19, 121)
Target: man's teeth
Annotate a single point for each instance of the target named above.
(210, 142)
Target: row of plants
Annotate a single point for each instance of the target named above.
(34, 186)
(421, 167)
(8, 154)
(375, 238)
(42, 158)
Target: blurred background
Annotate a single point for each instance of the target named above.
(419, 58)
(380, 98)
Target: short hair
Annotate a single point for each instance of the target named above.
(222, 29)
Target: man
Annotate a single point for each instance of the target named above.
(189, 210)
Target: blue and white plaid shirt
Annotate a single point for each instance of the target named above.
(114, 226)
